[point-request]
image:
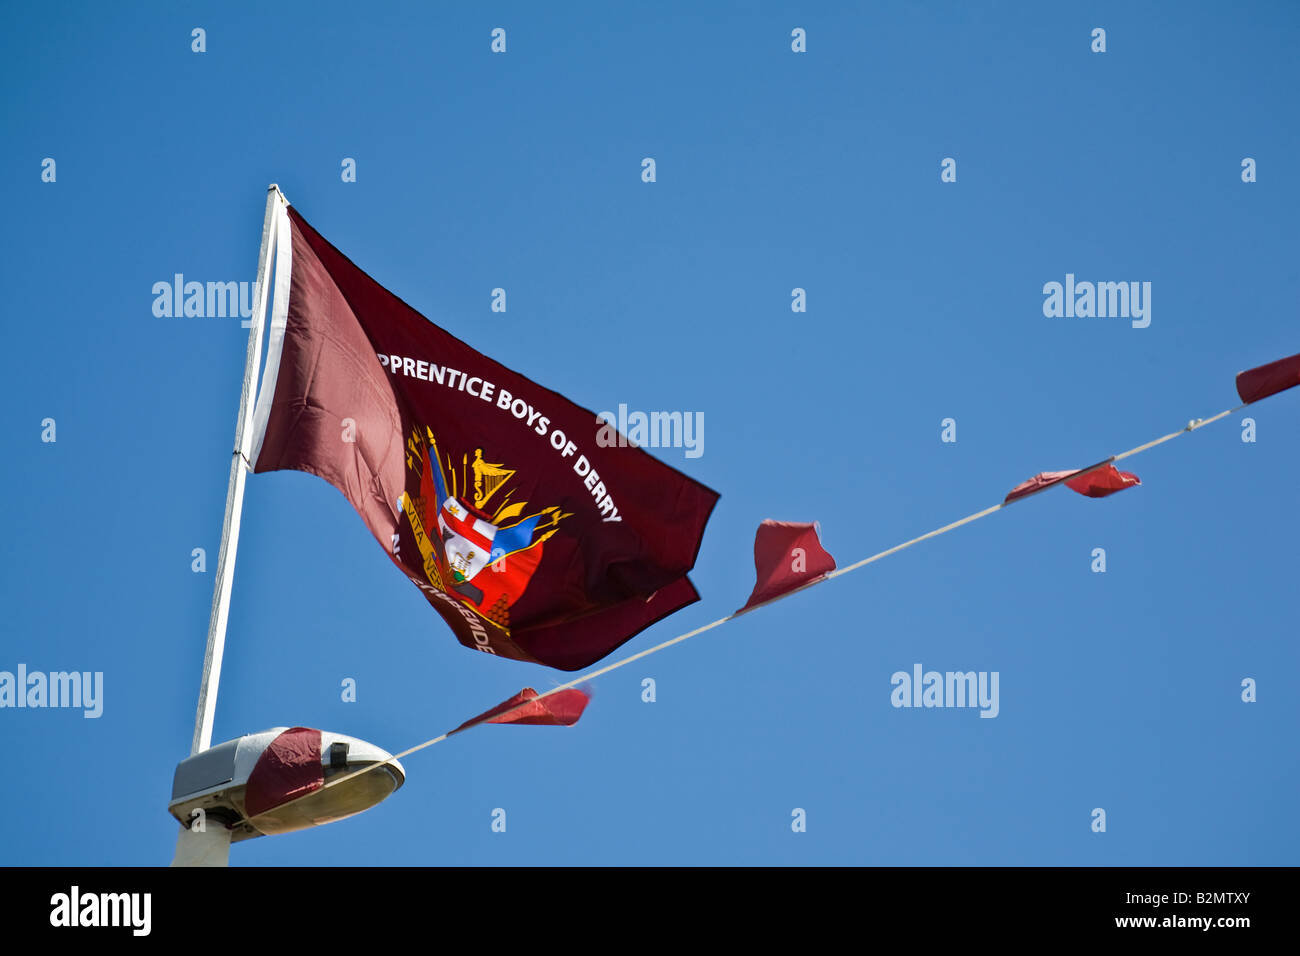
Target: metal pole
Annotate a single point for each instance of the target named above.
(235, 491)
(211, 847)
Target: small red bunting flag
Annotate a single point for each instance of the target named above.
(1265, 380)
(561, 709)
(1101, 482)
(1096, 482)
(787, 555)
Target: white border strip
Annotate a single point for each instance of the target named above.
(279, 318)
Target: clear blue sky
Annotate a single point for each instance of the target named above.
(775, 170)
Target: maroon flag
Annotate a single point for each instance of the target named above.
(787, 555)
(1256, 383)
(561, 709)
(527, 535)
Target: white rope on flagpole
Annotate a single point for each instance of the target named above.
(623, 662)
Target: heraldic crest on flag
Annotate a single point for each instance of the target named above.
(476, 545)
(531, 538)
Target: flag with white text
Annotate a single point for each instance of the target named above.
(531, 538)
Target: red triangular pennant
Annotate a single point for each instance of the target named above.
(1095, 482)
(561, 709)
(1044, 479)
(787, 555)
(1265, 380)
(1101, 482)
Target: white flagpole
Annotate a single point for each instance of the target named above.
(210, 848)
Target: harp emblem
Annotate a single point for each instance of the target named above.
(488, 477)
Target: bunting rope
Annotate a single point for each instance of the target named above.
(1191, 426)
